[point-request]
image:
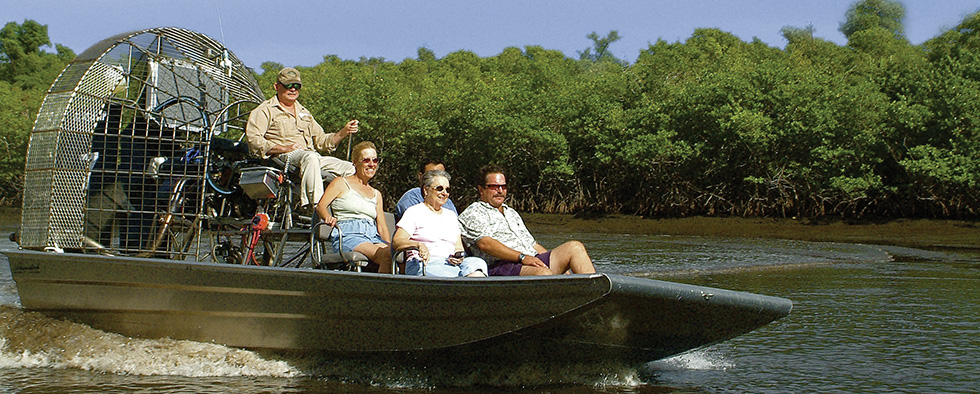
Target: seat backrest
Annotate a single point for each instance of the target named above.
(390, 221)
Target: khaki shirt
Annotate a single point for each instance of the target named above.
(270, 125)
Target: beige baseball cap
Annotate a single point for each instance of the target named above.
(289, 75)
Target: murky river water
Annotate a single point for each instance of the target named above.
(866, 319)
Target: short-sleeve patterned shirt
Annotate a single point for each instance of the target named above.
(481, 219)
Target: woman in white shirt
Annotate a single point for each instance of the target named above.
(431, 235)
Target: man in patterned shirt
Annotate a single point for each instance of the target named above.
(495, 232)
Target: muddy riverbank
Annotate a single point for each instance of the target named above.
(920, 233)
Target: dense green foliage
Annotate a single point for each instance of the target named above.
(26, 72)
(712, 125)
(867, 14)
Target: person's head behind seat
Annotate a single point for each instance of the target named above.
(429, 162)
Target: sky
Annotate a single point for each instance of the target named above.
(301, 33)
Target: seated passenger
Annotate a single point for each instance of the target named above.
(434, 231)
(357, 210)
(284, 130)
(496, 232)
(414, 195)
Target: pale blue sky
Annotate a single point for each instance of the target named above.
(300, 33)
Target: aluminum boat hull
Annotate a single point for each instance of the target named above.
(556, 318)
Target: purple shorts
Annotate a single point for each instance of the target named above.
(513, 268)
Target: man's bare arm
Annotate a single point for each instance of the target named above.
(496, 249)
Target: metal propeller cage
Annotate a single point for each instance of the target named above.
(119, 156)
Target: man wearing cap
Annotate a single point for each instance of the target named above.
(283, 129)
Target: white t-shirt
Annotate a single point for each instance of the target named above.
(438, 231)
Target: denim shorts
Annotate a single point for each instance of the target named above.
(355, 233)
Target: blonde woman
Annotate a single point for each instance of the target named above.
(357, 210)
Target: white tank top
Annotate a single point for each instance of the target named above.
(351, 205)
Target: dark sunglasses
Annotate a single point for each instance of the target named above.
(501, 186)
(440, 188)
(368, 160)
(296, 86)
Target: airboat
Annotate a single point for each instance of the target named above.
(139, 218)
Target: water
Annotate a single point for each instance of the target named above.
(866, 319)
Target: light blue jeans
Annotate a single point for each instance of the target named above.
(443, 268)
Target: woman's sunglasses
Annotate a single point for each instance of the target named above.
(290, 86)
(440, 188)
(369, 160)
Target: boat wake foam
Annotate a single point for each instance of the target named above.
(419, 375)
(32, 340)
(697, 360)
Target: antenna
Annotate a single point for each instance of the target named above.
(224, 62)
(221, 28)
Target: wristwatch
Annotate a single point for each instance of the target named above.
(520, 259)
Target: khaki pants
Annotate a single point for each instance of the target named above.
(313, 170)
